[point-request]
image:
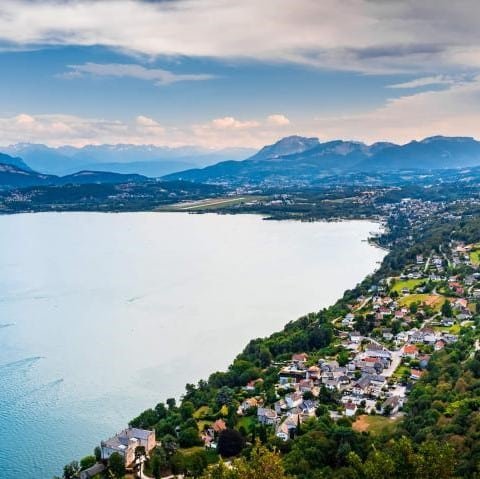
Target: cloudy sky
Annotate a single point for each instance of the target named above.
(219, 73)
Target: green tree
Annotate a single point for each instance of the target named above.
(189, 437)
(230, 443)
(170, 444)
(71, 470)
(196, 463)
(87, 461)
(447, 309)
(161, 410)
(186, 410)
(116, 464)
(158, 462)
(98, 453)
(224, 396)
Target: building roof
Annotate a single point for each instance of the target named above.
(121, 440)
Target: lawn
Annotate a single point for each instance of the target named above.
(455, 329)
(406, 283)
(433, 300)
(400, 371)
(475, 257)
(374, 424)
(246, 422)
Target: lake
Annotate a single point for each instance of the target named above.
(104, 315)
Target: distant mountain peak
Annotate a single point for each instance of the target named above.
(286, 146)
(431, 139)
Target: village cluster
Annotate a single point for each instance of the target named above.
(389, 336)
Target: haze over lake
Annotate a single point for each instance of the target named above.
(104, 315)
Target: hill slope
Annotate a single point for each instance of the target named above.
(13, 177)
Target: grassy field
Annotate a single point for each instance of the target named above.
(432, 300)
(475, 257)
(407, 283)
(374, 424)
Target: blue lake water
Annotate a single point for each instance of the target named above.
(103, 315)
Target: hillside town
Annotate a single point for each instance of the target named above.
(383, 346)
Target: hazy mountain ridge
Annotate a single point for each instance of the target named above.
(311, 160)
(148, 160)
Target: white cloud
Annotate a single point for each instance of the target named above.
(229, 122)
(358, 35)
(157, 75)
(452, 111)
(278, 119)
(427, 81)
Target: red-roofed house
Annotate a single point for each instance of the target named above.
(300, 358)
(410, 351)
(416, 373)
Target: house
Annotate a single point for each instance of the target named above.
(300, 359)
(410, 351)
(401, 336)
(125, 443)
(416, 374)
(313, 372)
(440, 344)
(291, 375)
(387, 334)
(377, 382)
(266, 416)
(416, 337)
(348, 319)
(307, 408)
(280, 406)
(362, 386)
(355, 337)
(287, 429)
(392, 404)
(91, 471)
(447, 322)
(219, 426)
(350, 409)
(293, 399)
(305, 385)
(252, 384)
(249, 403)
(376, 351)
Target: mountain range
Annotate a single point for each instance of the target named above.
(146, 160)
(299, 159)
(291, 160)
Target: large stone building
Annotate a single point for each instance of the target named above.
(125, 443)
